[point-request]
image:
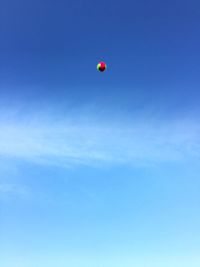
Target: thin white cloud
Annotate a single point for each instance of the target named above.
(7, 189)
(43, 139)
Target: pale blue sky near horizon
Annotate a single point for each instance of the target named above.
(99, 169)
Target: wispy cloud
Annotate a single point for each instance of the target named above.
(7, 189)
(46, 139)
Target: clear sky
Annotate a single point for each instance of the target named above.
(99, 169)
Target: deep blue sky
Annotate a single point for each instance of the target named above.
(99, 169)
(151, 48)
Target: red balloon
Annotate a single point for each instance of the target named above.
(101, 66)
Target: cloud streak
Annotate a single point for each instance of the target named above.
(66, 141)
(7, 189)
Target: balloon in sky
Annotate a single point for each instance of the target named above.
(101, 66)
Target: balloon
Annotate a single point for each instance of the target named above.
(101, 66)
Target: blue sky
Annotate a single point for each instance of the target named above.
(99, 169)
